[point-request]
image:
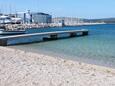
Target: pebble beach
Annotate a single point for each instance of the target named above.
(21, 68)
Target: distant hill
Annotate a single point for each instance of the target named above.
(80, 20)
(106, 20)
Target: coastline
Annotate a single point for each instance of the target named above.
(21, 68)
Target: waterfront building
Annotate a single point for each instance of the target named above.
(41, 18)
(37, 18)
(22, 16)
(25, 16)
(67, 20)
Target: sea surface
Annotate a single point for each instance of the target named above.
(96, 48)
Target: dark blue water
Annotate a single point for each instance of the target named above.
(96, 48)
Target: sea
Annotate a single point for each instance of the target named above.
(96, 48)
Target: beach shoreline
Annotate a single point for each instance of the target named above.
(21, 68)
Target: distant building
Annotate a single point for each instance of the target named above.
(29, 17)
(41, 18)
(67, 20)
(25, 16)
(21, 15)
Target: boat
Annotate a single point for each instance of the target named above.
(17, 32)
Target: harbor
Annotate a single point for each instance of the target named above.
(57, 43)
(95, 48)
(26, 38)
(62, 62)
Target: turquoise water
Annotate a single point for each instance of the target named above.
(96, 48)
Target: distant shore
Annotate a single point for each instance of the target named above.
(21, 68)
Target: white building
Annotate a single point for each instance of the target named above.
(67, 20)
(25, 16)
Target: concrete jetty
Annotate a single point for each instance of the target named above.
(36, 37)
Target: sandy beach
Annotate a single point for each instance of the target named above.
(21, 68)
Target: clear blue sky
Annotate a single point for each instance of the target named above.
(70, 8)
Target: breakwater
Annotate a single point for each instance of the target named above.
(41, 25)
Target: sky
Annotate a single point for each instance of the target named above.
(62, 8)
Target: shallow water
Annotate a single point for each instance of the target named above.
(96, 48)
